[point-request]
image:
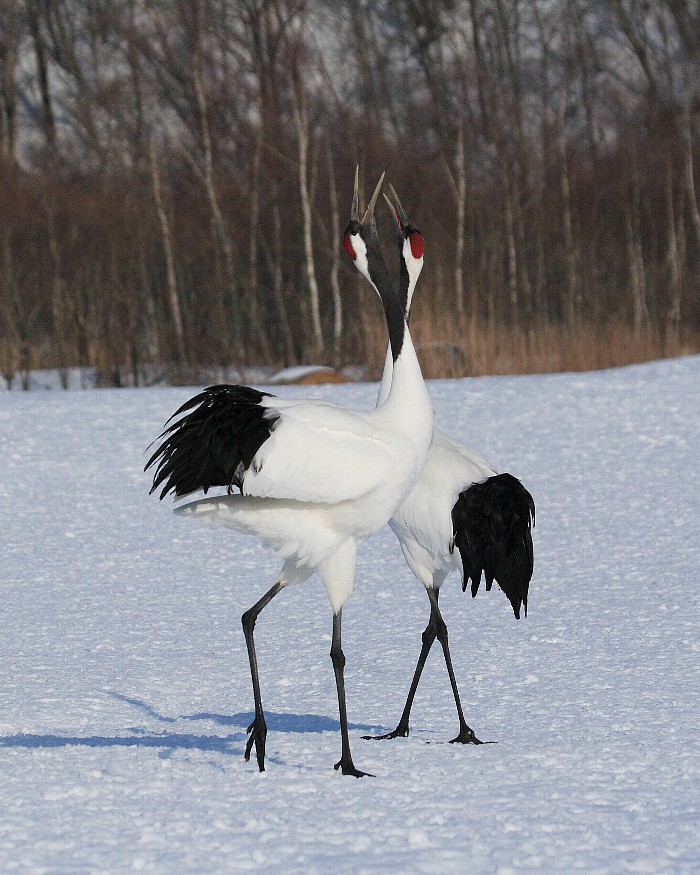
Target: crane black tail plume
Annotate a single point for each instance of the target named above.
(492, 523)
(214, 443)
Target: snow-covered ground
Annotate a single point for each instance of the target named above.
(125, 689)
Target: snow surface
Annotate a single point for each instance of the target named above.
(125, 690)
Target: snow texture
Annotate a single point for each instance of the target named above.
(125, 691)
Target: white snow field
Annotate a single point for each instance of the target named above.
(125, 689)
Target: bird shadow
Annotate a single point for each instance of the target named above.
(276, 721)
(167, 741)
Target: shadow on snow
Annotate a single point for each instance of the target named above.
(276, 722)
(167, 740)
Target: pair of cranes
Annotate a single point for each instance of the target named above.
(315, 478)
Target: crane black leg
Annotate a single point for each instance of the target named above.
(429, 635)
(345, 764)
(436, 628)
(257, 731)
(465, 735)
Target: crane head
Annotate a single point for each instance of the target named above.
(406, 232)
(411, 249)
(361, 236)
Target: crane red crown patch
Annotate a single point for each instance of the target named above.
(417, 242)
(347, 243)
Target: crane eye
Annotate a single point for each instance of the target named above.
(349, 248)
(417, 242)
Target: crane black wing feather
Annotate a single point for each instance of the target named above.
(491, 524)
(214, 442)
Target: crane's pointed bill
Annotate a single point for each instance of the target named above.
(393, 210)
(369, 212)
(355, 211)
(397, 209)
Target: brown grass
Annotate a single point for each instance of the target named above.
(447, 348)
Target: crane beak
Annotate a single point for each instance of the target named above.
(355, 210)
(393, 211)
(369, 212)
(399, 214)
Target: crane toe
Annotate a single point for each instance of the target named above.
(257, 733)
(347, 767)
(400, 732)
(465, 736)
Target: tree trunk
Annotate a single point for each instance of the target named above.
(173, 295)
(690, 174)
(208, 179)
(47, 115)
(8, 96)
(459, 190)
(636, 269)
(301, 118)
(673, 317)
(512, 257)
(277, 280)
(335, 260)
(571, 309)
(58, 298)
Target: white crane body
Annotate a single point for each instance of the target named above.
(325, 478)
(461, 514)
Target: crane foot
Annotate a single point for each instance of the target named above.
(401, 731)
(347, 767)
(257, 733)
(466, 736)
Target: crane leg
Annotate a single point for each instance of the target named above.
(345, 764)
(429, 635)
(465, 735)
(257, 731)
(436, 628)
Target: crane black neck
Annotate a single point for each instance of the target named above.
(404, 282)
(394, 310)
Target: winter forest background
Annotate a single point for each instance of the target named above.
(175, 178)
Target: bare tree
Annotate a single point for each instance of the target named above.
(673, 316)
(173, 295)
(42, 65)
(571, 308)
(335, 258)
(9, 42)
(301, 119)
(458, 186)
(690, 174)
(207, 173)
(533, 139)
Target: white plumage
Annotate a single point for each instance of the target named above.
(314, 477)
(423, 521)
(325, 475)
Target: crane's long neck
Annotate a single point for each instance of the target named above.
(407, 285)
(378, 275)
(404, 389)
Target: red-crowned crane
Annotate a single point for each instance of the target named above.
(461, 502)
(314, 478)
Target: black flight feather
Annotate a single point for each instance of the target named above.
(491, 524)
(214, 443)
